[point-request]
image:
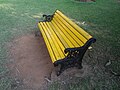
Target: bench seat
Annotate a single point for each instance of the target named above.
(64, 39)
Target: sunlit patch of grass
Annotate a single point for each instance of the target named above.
(37, 15)
(7, 6)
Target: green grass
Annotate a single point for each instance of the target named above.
(102, 21)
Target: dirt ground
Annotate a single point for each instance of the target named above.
(31, 67)
(30, 61)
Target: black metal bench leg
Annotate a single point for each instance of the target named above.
(80, 64)
(62, 68)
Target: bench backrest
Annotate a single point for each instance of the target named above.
(60, 18)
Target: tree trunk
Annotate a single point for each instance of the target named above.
(87, 0)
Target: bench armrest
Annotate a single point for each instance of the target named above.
(48, 17)
(85, 47)
(68, 50)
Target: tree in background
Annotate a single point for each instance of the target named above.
(87, 0)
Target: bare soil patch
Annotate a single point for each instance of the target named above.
(30, 61)
(31, 66)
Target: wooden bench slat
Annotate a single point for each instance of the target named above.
(71, 39)
(73, 33)
(67, 32)
(52, 44)
(53, 39)
(57, 40)
(59, 35)
(82, 40)
(62, 35)
(47, 43)
(80, 30)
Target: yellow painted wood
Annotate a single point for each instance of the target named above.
(52, 43)
(80, 30)
(61, 46)
(55, 40)
(71, 39)
(71, 31)
(59, 35)
(62, 34)
(47, 43)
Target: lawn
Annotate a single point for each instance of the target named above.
(102, 20)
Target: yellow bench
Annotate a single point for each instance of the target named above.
(66, 41)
